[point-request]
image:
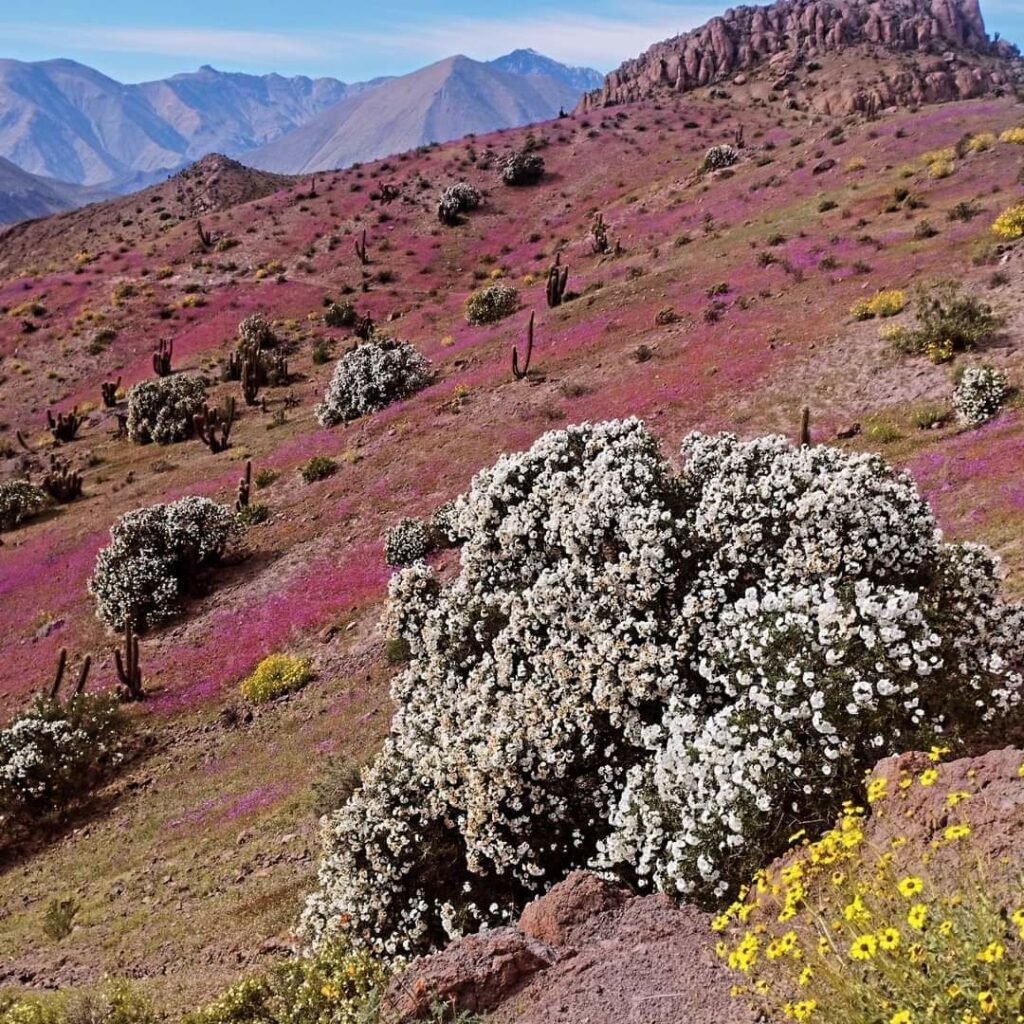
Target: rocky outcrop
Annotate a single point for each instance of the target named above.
(961, 61)
(586, 951)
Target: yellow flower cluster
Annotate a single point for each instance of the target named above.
(1010, 223)
(275, 675)
(888, 302)
(1013, 135)
(848, 931)
(982, 141)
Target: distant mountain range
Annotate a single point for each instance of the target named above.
(65, 121)
(24, 196)
(444, 101)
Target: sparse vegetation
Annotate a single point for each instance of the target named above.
(491, 304)
(274, 676)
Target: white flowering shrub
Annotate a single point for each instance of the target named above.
(521, 169)
(456, 199)
(255, 331)
(161, 410)
(406, 542)
(980, 394)
(719, 157)
(490, 304)
(371, 376)
(56, 752)
(659, 674)
(19, 500)
(153, 559)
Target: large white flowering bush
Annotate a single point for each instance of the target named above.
(161, 409)
(456, 199)
(57, 751)
(371, 376)
(661, 674)
(980, 394)
(153, 558)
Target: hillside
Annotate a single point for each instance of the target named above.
(726, 304)
(447, 100)
(24, 196)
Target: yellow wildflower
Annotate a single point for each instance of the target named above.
(917, 915)
(937, 753)
(863, 947)
(889, 939)
(910, 886)
(992, 953)
(804, 1009)
(954, 832)
(986, 1001)
(928, 777)
(901, 1017)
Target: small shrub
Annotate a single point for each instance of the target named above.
(1010, 223)
(19, 500)
(888, 302)
(980, 142)
(55, 753)
(336, 985)
(255, 331)
(253, 515)
(154, 557)
(59, 918)
(924, 229)
(161, 410)
(929, 415)
(491, 304)
(519, 169)
(941, 169)
(406, 542)
(264, 478)
(717, 158)
(1013, 135)
(319, 467)
(321, 352)
(275, 675)
(455, 200)
(980, 394)
(666, 316)
(370, 377)
(882, 431)
(338, 780)
(964, 211)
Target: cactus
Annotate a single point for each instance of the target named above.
(361, 250)
(128, 671)
(108, 391)
(64, 426)
(253, 374)
(61, 482)
(737, 137)
(558, 278)
(518, 373)
(244, 488)
(162, 358)
(205, 240)
(213, 426)
(805, 427)
(62, 660)
(599, 235)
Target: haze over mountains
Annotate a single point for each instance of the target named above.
(66, 121)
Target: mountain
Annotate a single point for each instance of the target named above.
(925, 51)
(67, 121)
(24, 196)
(530, 62)
(444, 101)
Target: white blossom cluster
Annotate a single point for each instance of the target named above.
(255, 331)
(371, 376)
(153, 556)
(659, 674)
(406, 542)
(521, 169)
(19, 500)
(490, 304)
(980, 394)
(55, 752)
(719, 157)
(456, 199)
(161, 410)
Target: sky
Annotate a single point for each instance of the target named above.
(354, 41)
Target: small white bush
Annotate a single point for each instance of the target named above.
(662, 674)
(153, 557)
(719, 157)
(406, 542)
(456, 199)
(161, 410)
(980, 394)
(491, 304)
(521, 169)
(19, 500)
(256, 331)
(370, 377)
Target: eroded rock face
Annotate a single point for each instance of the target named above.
(788, 32)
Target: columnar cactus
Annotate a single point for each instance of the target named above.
(213, 426)
(108, 392)
(520, 372)
(64, 426)
(558, 278)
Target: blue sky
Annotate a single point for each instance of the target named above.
(134, 41)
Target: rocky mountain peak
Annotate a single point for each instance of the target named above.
(790, 31)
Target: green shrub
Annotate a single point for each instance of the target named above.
(116, 1002)
(319, 467)
(59, 918)
(947, 322)
(338, 781)
(275, 675)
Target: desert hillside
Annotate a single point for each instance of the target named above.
(737, 251)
